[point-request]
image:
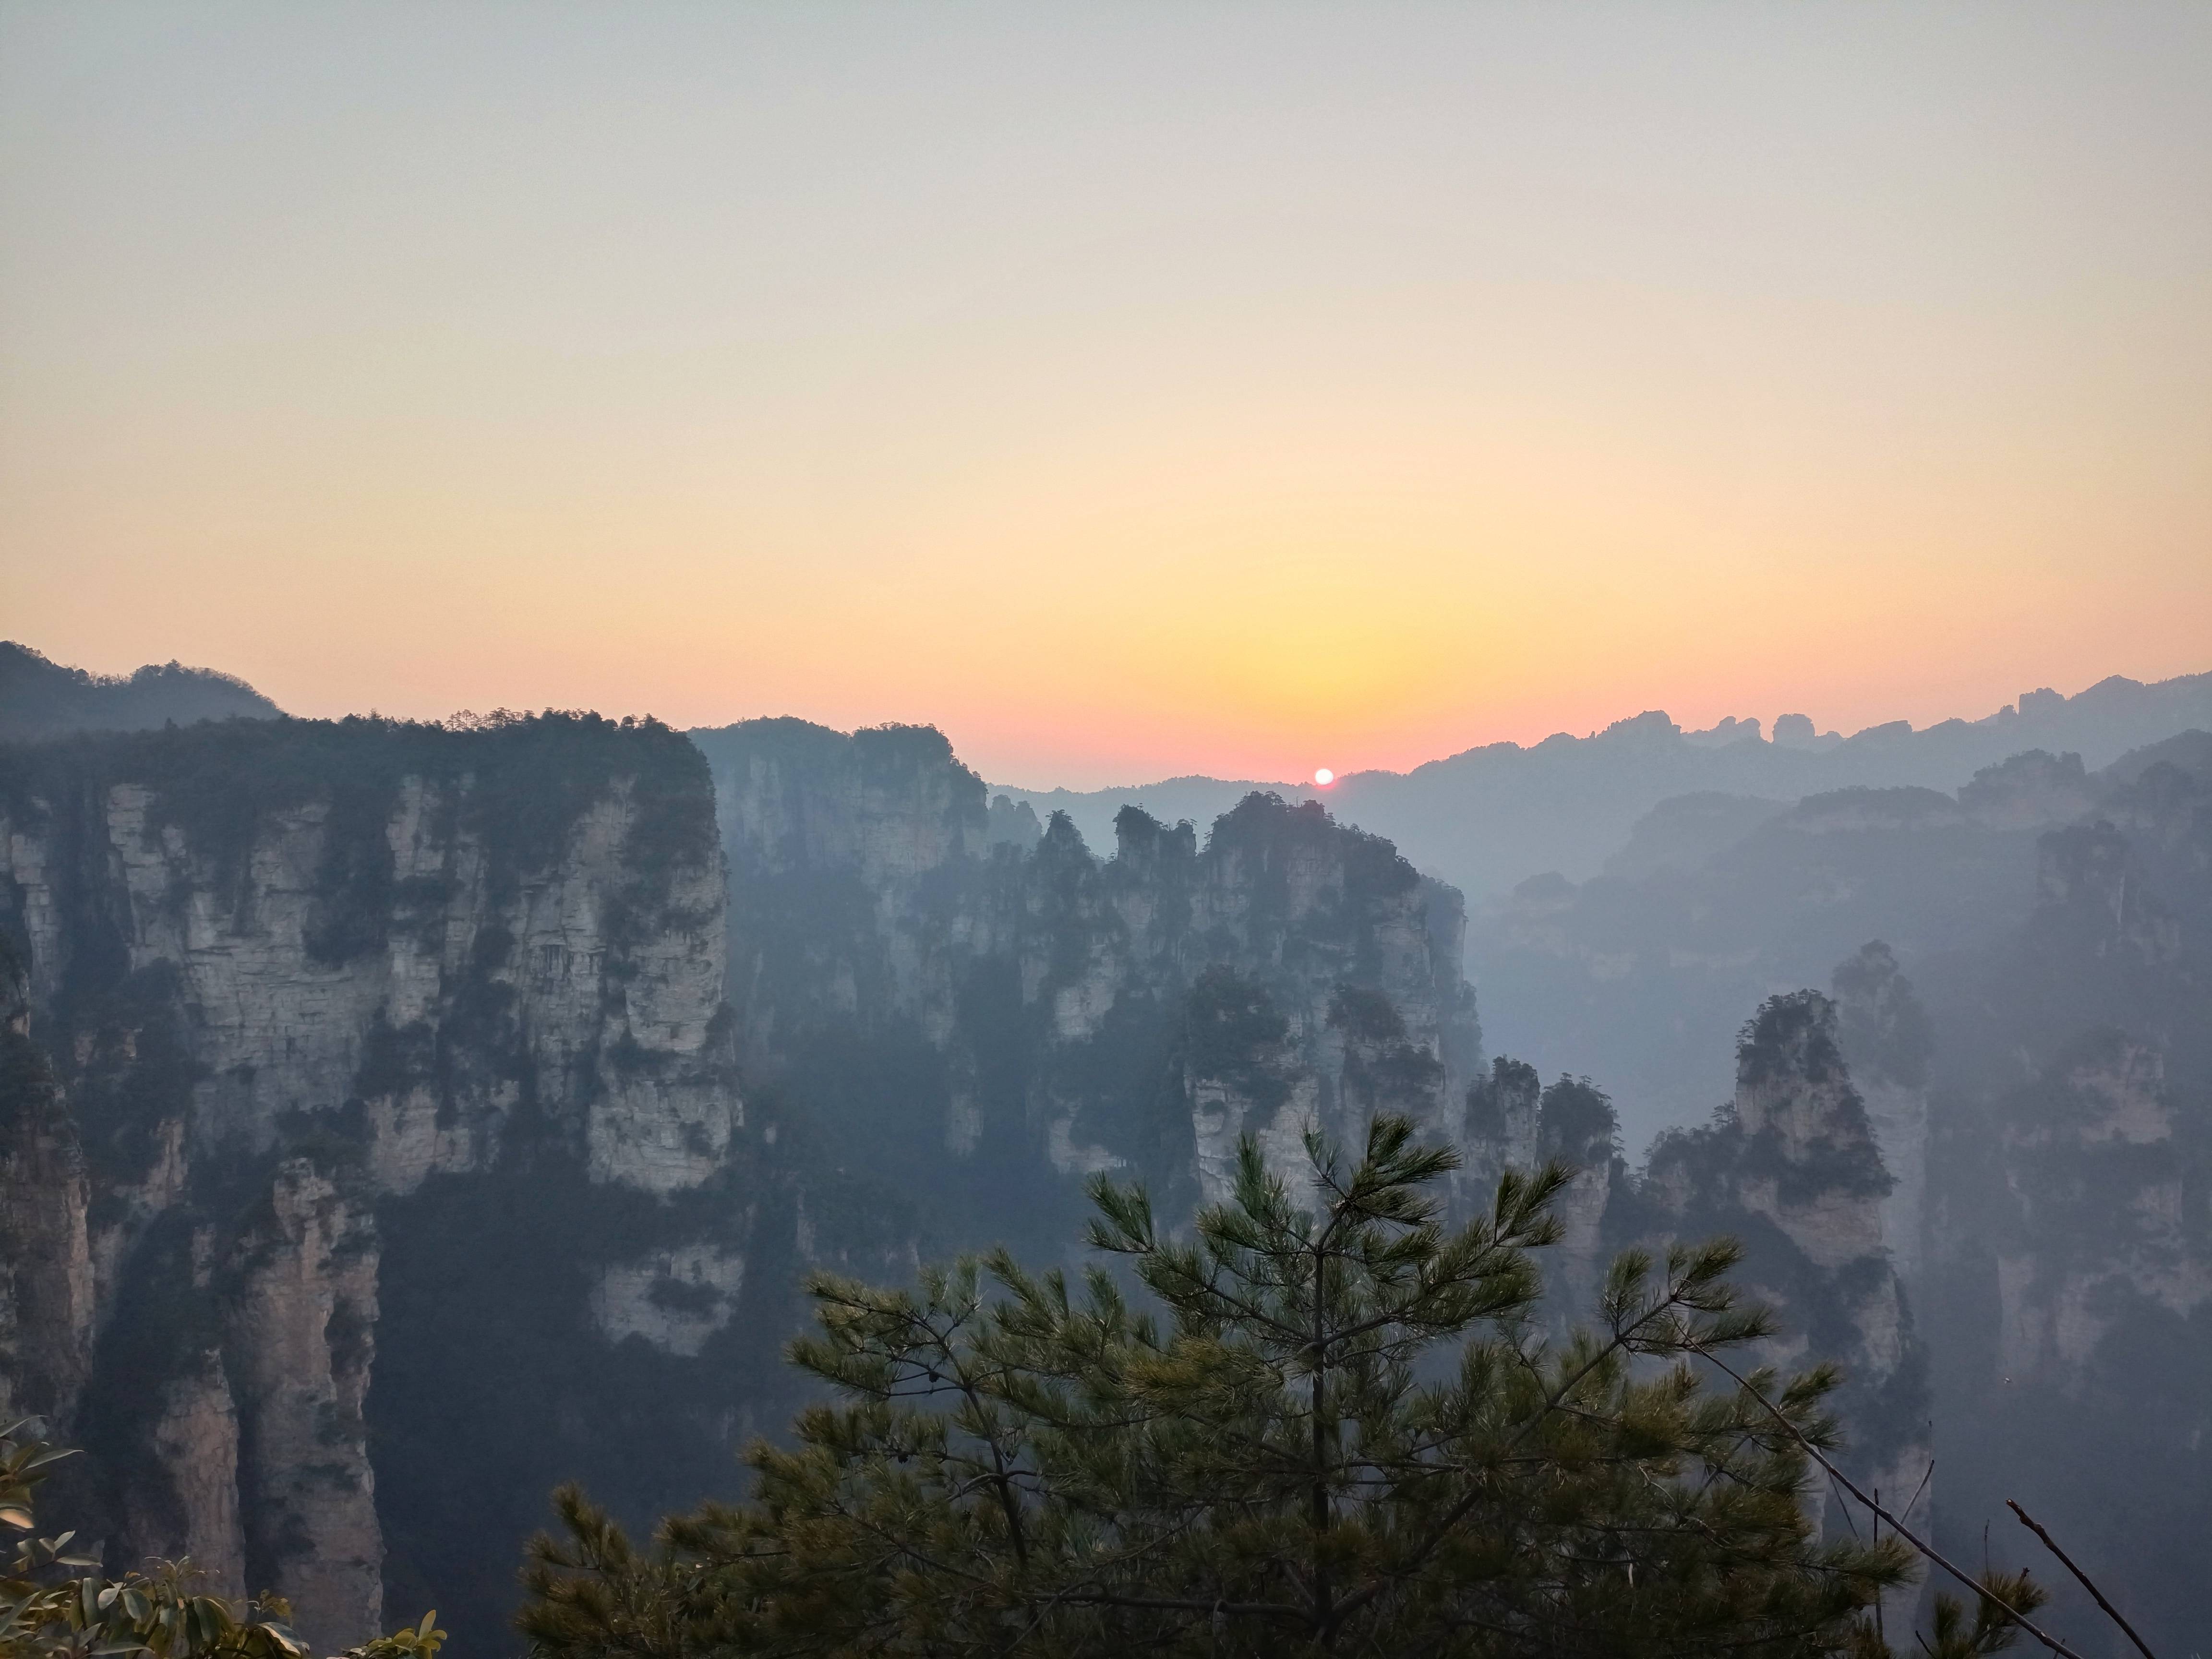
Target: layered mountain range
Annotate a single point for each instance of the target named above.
(397, 1120)
(2028, 1030)
(1488, 818)
(1640, 972)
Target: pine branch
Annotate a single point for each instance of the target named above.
(1899, 1527)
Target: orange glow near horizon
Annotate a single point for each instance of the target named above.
(1355, 383)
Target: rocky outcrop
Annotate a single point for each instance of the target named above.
(1886, 1041)
(46, 1301)
(194, 1441)
(1791, 1168)
(2101, 1220)
(970, 1003)
(2070, 1196)
(1514, 1122)
(1299, 976)
(302, 1325)
(285, 981)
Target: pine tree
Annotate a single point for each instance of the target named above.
(1324, 1423)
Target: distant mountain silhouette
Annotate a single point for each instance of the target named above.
(1487, 819)
(41, 698)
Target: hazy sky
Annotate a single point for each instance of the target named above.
(1127, 389)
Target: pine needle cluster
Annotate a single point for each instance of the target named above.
(1324, 1421)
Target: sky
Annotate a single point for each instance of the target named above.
(1128, 390)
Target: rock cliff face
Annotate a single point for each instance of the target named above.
(2102, 1220)
(1793, 1169)
(944, 993)
(292, 987)
(1641, 974)
(1513, 1122)
(1886, 1041)
(1790, 1168)
(2070, 1197)
(396, 1121)
(45, 1253)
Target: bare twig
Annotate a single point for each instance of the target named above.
(1896, 1525)
(1926, 1475)
(2051, 1544)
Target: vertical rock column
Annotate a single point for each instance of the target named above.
(302, 1333)
(1886, 1043)
(45, 1258)
(1795, 1174)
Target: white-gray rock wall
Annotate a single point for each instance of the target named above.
(281, 978)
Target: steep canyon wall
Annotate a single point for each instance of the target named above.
(395, 1121)
(999, 1007)
(298, 991)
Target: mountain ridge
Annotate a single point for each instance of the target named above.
(1490, 817)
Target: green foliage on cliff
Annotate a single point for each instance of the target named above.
(57, 1605)
(1576, 1124)
(513, 785)
(1327, 1423)
(1233, 1035)
(1512, 1087)
(1792, 1043)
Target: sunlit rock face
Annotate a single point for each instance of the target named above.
(1005, 1007)
(287, 981)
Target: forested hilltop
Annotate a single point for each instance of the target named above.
(43, 699)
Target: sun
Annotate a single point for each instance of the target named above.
(1323, 776)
